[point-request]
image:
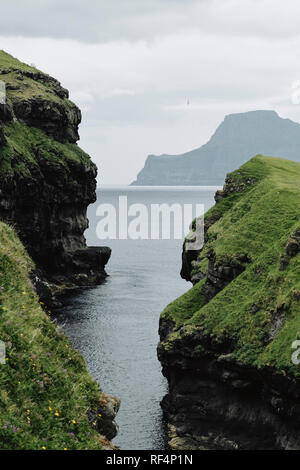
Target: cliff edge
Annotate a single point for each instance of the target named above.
(229, 345)
(48, 399)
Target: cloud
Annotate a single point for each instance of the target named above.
(114, 20)
(120, 92)
(132, 65)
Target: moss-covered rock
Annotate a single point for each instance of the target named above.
(246, 305)
(46, 180)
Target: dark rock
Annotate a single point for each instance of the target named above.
(165, 328)
(2, 137)
(57, 120)
(44, 290)
(219, 196)
(233, 186)
(190, 256)
(215, 402)
(103, 418)
(220, 275)
(278, 319)
(90, 263)
(6, 112)
(9, 86)
(187, 259)
(254, 309)
(293, 247)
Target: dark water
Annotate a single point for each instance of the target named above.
(115, 325)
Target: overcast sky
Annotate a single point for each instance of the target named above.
(132, 66)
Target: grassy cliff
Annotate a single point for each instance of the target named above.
(48, 400)
(254, 230)
(46, 180)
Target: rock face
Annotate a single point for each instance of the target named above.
(216, 403)
(45, 377)
(104, 417)
(226, 345)
(46, 180)
(238, 138)
(48, 110)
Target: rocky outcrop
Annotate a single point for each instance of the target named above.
(46, 180)
(226, 345)
(222, 274)
(48, 110)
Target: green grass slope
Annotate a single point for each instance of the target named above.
(32, 84)
(46, 392)
(259, 311)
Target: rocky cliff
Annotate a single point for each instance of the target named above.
(238, 138)
(49, 401)
(226, 345)
(46, 180)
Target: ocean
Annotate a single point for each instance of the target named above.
(115, 325)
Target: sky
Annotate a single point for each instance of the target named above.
(158, 76)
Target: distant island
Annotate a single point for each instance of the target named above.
(238, 138)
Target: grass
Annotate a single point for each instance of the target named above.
(19, 155)
(27, 87)
(7, 61)
(46, 390)
(257, 222)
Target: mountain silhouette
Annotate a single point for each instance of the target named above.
(238, 138)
